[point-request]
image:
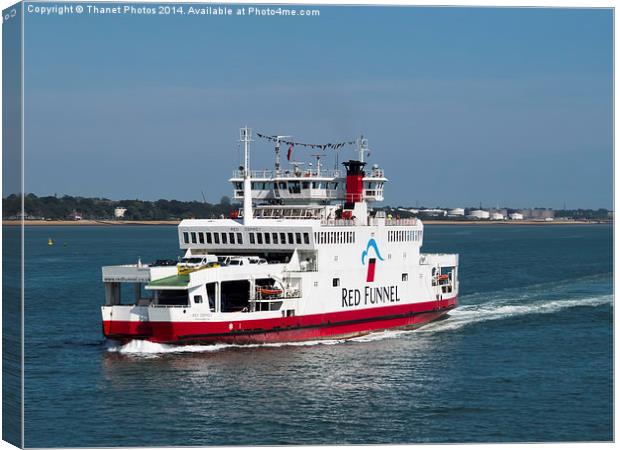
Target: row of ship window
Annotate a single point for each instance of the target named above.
(334, 237)
(272, 238)
(287, 212)
(198, 237)
(294, 187)
(404, 235)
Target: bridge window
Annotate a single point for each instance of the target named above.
(239, 238)
(186, 237)
(259, 238)
(232, 237)
(298, 237)
(294, 187)
(274, 238)
(282, 238)
(267, 238)
(252, 238)
(216, 238)
(305, 185)
(208, 238)
(193, 237)
(201, 238)
(290, 238)
(224, 238)
(306, 238)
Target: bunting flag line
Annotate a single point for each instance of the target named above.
(291, 144)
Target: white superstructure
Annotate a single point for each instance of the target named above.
(308, 260)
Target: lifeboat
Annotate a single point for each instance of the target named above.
(270, 291)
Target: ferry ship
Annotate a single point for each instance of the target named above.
(305, 258)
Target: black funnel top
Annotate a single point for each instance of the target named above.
(354, 167)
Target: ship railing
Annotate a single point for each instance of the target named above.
(439, 259)
(392, 222)
(153, 305)
(337, 222)
(401, 222)
(289, 173)
(285, 295)
(377, 173)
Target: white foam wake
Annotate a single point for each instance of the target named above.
(498, 310)
(145, 348)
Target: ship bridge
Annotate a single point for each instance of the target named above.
(303, 186)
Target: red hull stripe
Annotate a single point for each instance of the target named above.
(300, 327)
(350, 322)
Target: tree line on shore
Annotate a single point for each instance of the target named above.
(66, 207)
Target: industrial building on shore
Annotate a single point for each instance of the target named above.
(491, 214)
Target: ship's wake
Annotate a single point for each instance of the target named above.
(497, 310)
(145, 348)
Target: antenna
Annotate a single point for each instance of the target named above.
(362, 147)
(245, 136)
(204, 199)
(318, 163)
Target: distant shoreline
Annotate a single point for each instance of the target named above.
(71, 223)
(176, 222)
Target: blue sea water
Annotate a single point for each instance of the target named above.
(527, 356)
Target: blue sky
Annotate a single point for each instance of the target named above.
(460, 105)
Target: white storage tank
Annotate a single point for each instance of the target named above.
(478, 214)
(456, 212)
(497, 216)
(515, 216)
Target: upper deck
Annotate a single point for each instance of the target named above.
(285, 235)
(306, 185)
